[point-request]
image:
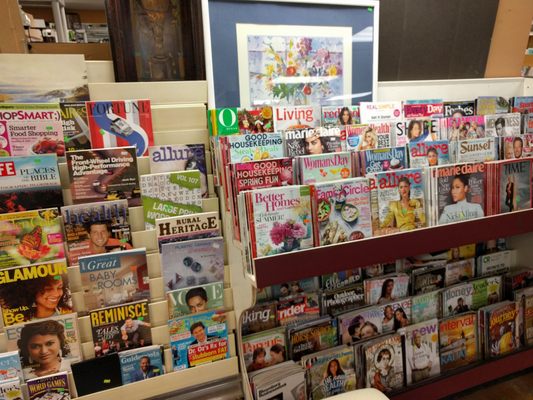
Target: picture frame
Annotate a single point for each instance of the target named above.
(228, 24)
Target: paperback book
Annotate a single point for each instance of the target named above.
(121, 327)
(198, 339)
(187, 227)
(75, 129)
(310, 337)
(51, 387)
(384, 367)
(195, 299)
(140, 364)
(96, 228)
(324, 167)
(192, 263)
(121, 123)
(29, 237)
(170, 193)
(114, 278)
(458, 343)
(421, 351)
(264, 349)
(104, 174)
(29, 183)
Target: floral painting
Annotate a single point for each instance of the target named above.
(304, 65)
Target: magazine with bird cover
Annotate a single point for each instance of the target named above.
(341, 211)
(379, 111)
(104, 174)
(474, 150)
(10, 367)
(29, 237)
(169, 194)
(338, 280)
(324, 167)
(51, 387)
(460, 271)
(31, 129)
(462, 128)
(61, 330)
(29, 183)
(361, 137)
(280, 220)
(298, 308)
(179, 157)
(195, 299)
(264, 349)
(330, 372)
(386, 288)
(35, 291)
(198, 339)
(498, 125)
(95, 228)
(340, 115)
(10, 389)
(360, 324)
(296, 117)
(491, 105)
(192, 263)
(519, 146)
(75, 129)
(424, 108)
(400, 201)
(306, 141)
(458, 343)
(114, 278)
(121, 123)
(230, 121)
(261, 317)
(499, 324)
(421, 351)
(427, 279)
(140, 364)
(379, 160)
(459, 108)
(384, 366)
(425, 306)
(341, 300)
(121, 327)
(429, 154)
(292, 288)
(187, 227)
(310, 337)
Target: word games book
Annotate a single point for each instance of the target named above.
(84, 223)
(104, 174)
(279, 220)
(198, 339)
(190, 300)
(29, 237)
(192, 262)
(341, 211)
(186, 227)
(121, 327)
(170, 193)
(458, 341)
(140, 364)
(264, 349)
(121, 123)
(324, 167)
(114, 278)
(51, 387)
(75, 128)
(29, 183)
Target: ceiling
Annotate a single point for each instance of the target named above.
(69, 4)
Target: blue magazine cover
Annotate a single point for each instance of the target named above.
(140, 364)
(10, 366)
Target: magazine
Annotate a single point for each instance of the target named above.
(425, 306)
(429, 153)
(10, 389)
(298, 308)
(114, 278)
(294, 288)
(395, 315)
(140, 364)
(500, 331)
(121, 123)
(458, 341)
(105, 174)
(514, 185)
(282, 381)
(34, 291)
(192, 263)
(369, 136)
(459, 271)
(198, 339)
(474, 150)
(312, 336)
(471, 295)
(461, 128)
(425, 129)
(427, 279)
(338, 280)
(306, 141)
(279, 220)
(121, 327)
(31, 129)
(491, 105)
(180, 157)
(30, 237)
(29, 183)
(459, 108)
(360, 324)
(379, 160)
(186, 227)
(341, 300)
(61, 329)
(340, 115)
(264, 349)
(341, 211)
(384, 367)
(324, 167)
(192, 300)
(519, 146)
(296, 117)
(51, 387)
(10, 367)
(380, 111)
(496, 263)
(261, 317)
(243, 148)
(423, 108)
(229, 121)
(75, 129)
(386, 288)
(95, 228)
(421, 351)
(502, 125)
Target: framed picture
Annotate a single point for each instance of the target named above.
(283, 52)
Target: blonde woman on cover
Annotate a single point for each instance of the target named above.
(405, 214)
(369, 139)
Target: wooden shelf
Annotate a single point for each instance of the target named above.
(464, 379)
(281, 268)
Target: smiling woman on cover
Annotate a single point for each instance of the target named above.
(405, 214)
(461, 209)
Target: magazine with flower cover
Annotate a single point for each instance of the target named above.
(192, 262)
(114, 278)
(421, 351)
(458, 344)
(261, 317)
(121, 123)
(340, 115)
(187, 227)
(307, 141)
(180, 157)
(51, 387)
(379, 160)
(324, 167)
(140, 364)
(198, 339)
(310, 337)
(384, 368)
(170, 193)
(28, 338)
(104, 174)
(330, 372)
(10, 367)
(503, 124)
(264, 349)
(429, 153)
(121, 327)
(298, 308)
(75, 125)
(95, 228)
(425, 306)
(195, 299)
(341, 211)
(279, 220)
(386, 288)
(29, 237)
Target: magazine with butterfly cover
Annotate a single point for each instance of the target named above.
(310, 337)
(195, 299)
(384, 368)
(29, 183)
(264, 349)
(30, 237)
(421, 351)
(458, 343)
(51, 387)
(96, 228)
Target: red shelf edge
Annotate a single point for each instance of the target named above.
(469, 378)
(328, 259)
